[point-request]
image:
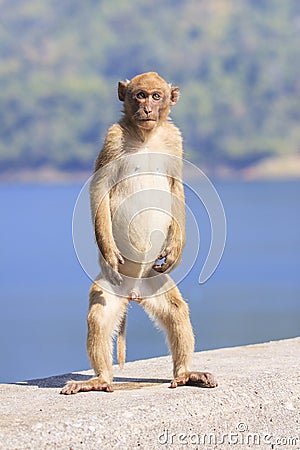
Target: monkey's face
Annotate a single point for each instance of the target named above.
(148, 107)
(147, 100)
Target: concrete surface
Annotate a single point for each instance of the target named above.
(256, 405)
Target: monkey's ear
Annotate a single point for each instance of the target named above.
(174, 95)
(122, 88)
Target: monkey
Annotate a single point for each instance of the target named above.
(138, 210)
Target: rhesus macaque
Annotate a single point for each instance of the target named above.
(138, 209)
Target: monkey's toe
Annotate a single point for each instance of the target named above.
(202, 379)
(181, 380)
(70, 388)
(95, 384)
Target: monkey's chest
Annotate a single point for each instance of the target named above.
(141, 213)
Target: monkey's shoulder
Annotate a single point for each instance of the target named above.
(114, 136)
(172, 130)
(171, 135)
(112, 146)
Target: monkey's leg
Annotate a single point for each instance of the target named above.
(106, 311)
(172, 313)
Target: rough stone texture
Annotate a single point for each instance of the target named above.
(255, 406)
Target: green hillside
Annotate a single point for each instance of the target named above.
(237, 64)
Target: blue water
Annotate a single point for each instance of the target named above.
(253, 296)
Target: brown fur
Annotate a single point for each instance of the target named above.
(145, 126)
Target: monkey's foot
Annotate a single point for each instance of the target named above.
(94, 384)
(201, 379)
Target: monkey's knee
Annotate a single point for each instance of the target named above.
(179, 309)
(179, 332)
(97, 294)
(106, 311)
(97, 305)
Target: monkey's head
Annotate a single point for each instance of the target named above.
(147, 100)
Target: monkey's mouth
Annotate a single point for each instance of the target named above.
(147, 119)
(147, 124)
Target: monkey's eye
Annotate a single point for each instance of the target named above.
(141, 95)
(156, 96)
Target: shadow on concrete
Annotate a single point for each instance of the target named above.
(119, 382)
(56, 381)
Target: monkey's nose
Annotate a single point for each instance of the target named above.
(148, 110)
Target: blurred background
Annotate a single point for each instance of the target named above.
(238, 68)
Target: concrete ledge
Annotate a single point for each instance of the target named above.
(255, 406)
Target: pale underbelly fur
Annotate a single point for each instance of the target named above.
(141, 216)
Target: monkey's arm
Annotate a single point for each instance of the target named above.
(176, 235)
(104, 237)
(101, 184)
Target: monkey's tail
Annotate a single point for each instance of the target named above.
(121, 341)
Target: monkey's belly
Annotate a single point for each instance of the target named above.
(141, 217)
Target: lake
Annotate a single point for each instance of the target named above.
(253, 296)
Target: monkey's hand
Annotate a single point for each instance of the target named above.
(110, 264)
(171, 256)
